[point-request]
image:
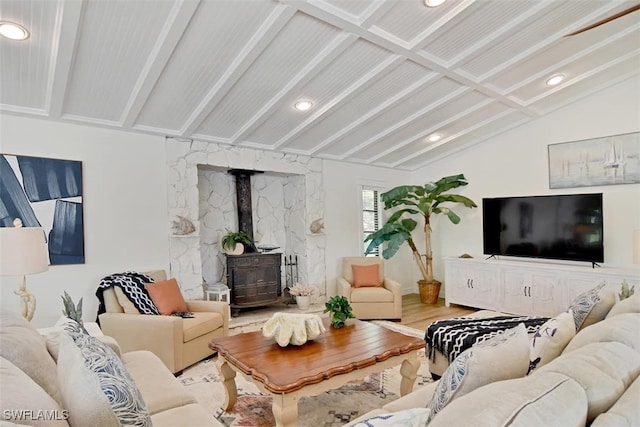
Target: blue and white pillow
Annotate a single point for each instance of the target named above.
(504, 356)
(96, 387)
(584, 303)
(549, 341)
(414, 417)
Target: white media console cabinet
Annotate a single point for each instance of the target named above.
(526, 288)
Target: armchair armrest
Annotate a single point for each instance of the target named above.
(158, 334)
(393, 286)
(344, 288)
(214, 306)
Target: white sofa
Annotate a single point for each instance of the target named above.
(49, 382)
(594, 381)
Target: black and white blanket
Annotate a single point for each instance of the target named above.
(453, 336)
(132, 285)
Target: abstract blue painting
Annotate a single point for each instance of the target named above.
(45, 193)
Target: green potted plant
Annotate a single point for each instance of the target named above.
(70, 310)
(421, 201)
(234, 243)
(340, 310)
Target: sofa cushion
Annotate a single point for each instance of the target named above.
(22, 345)
(192, 415)
(167, 297)
(21, 393)
(161, 390)
(200, 324)
(533, 401)
(371, 294)
(548, 342)
(627, 305)
(504, 356)
(625, 412)
(622, 328)
(603, 369)
(366, 275)
(96, 388)
(414, 417)
(582, 305)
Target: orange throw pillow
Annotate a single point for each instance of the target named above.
(365, 275)
(166, 296)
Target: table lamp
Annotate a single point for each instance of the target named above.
(23, 251)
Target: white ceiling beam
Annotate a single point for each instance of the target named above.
(379, 109)
(63, 47)
(338, 45)
(359, 85)
(169, 37)
(258, 42)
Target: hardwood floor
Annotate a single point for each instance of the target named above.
(418, 315)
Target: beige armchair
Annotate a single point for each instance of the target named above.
(378, 302)
(178, 342)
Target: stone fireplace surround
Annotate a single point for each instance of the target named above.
(287, 197)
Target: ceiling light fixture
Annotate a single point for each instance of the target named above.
(555, 80)
(433, 3)
(434, 137)
(13, 31)
(303, 105)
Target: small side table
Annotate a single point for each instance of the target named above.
(219, 292)
(218, 295)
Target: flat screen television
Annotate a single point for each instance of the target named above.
(560, 227)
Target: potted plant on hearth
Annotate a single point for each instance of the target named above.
(422, 201)
(303, 294)
(233, 243)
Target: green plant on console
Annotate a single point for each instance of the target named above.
(70, 310)
(340, 311)
(231, 238)
(625, 290)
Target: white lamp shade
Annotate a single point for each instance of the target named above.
(23, 251)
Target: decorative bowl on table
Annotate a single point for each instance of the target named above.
(293, 328)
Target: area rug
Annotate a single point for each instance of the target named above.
(330, 409)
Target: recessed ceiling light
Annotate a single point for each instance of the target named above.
(555, 80)
(433, 3)
(303, 105)
(13, 31)
(434, 137)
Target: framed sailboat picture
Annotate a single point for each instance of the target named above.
(599, 161)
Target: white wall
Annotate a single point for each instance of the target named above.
(342, 184)
(515, 163)
(125, 208)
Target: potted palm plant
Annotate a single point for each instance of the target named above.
(421, 201)
(234, 243)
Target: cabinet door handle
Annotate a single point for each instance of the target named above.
(529, 291)
(471, 283)
(524, 289)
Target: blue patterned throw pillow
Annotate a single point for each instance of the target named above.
(502, 357)
(584, 303)
(96, 387)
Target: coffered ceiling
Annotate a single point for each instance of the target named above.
(383, 75)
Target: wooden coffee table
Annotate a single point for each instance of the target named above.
(331, 360)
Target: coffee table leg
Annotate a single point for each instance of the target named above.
(228, 381)
(409, 372)
(285, 410)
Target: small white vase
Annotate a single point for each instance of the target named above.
(303, 302)
(237, 250)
